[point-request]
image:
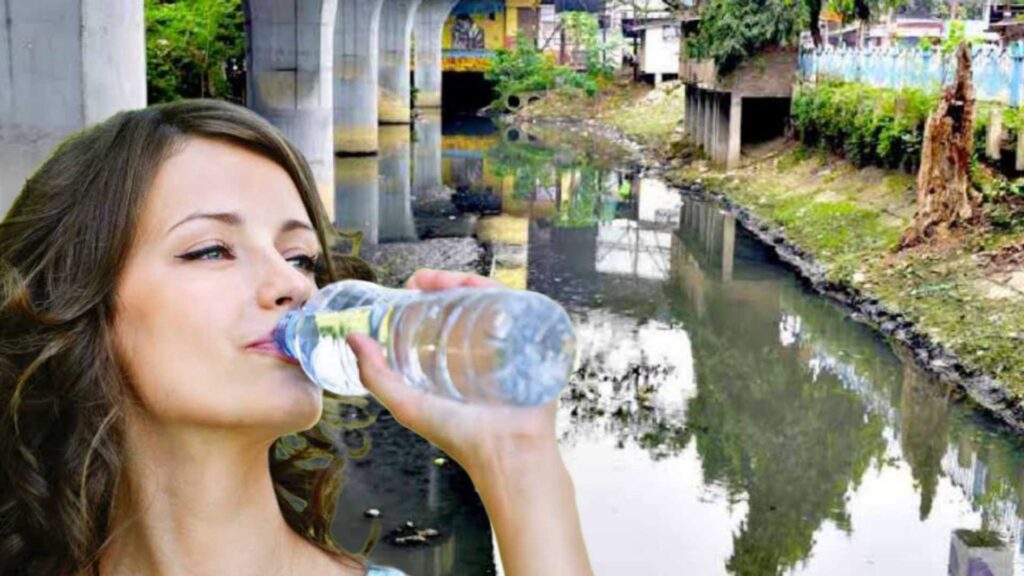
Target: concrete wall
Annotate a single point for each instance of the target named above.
(660, 50)
(290, 54)
(64, 64)
(770, 74)
(355, 76)
(396, 22)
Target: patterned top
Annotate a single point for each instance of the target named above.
(376, 570)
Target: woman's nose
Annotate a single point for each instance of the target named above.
(283, 285)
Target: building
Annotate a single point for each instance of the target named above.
(476, 28)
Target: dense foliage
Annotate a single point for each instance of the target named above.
(867, 125)
(194, 49)
(526, 68)
(733, 30)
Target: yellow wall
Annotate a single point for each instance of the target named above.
(494, 31)
(498, 33)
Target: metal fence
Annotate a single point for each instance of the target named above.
(998, 73)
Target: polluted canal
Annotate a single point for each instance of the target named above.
(723, 419)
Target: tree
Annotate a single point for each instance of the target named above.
(814, 25)
(190, 45)
(732, 30)
(943, 182)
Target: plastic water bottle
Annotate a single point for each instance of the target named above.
(480, 345)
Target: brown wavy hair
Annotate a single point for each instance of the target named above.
(63, 245)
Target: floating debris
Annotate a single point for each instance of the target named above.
(409, 535)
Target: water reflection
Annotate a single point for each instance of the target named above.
(357, 195)
(699, 349)
(396, 220)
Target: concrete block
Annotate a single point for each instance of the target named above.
(977, 553)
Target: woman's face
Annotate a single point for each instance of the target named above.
(224, 249)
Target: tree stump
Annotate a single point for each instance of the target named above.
(944, 198)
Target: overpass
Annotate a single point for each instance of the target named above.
(327, 73)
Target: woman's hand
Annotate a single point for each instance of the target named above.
(472, 434)
(510, 452)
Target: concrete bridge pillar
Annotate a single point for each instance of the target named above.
(429, 28)
(355, 77)
(289, 59)
(64, 64)
(396, 20)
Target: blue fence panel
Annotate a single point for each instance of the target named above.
(998, 74)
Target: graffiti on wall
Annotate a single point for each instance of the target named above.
(466, 35)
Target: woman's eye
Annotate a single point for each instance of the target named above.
(307, 263)
(210, 253)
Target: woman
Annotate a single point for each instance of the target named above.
(142, 270)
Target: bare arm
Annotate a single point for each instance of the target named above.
(531, 502)
(510, 453)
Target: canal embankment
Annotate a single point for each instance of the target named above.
(958, 305)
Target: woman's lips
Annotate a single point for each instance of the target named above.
(270, 348)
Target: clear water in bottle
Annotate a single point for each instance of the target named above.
(489, 345)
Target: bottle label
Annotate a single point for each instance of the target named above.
(360, 320)
(341, 324)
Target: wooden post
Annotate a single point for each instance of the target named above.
(995, 134)
(1020, 150)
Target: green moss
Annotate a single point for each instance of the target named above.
(900, 183)
(980, 538)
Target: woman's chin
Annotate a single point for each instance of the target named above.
(291, 404)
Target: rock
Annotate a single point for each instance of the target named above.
(1016, 281)
(409, 535)
(994, 291)
(394, 263)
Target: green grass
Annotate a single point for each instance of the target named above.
(839, 234)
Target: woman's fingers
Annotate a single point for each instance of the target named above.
(380, 380)
(433, 280)
(425, 413)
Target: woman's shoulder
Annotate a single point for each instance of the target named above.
(377, 570)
